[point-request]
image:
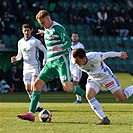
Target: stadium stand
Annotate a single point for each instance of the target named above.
(58, 10)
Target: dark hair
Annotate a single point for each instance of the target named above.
(79, 52)
(27, 26)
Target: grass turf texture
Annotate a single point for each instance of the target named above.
(67, 117)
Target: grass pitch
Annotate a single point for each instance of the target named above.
(67, 117)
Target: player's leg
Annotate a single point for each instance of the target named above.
(44, 76)
(65, 77)
(76, 78)
(92, 88)
(121, 95)
(34, 77)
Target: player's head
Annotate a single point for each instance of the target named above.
(27, 30)
(79, 56)
(75, 37)
(43, 18)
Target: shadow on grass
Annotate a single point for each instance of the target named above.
(58, 97)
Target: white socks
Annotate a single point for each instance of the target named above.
(96, 107)
(79, 98)
(128, 91)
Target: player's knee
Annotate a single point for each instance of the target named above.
(67, 89)
(89, 96)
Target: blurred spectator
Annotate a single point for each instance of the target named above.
(130, 7)
(123, 13)
(130, 26)
(72, 14)
(12, 78)
(109, 13)
(4, 87)
(102, 14)
(9, 23)
(114, 12)
(112, 28)
(2, 28)
(123, 31)
(4, 7)
(27, 20)
(19, 12)
(84, 15)
(98, 28)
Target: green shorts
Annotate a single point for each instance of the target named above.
(56, 68)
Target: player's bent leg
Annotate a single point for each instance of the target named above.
(119, 95)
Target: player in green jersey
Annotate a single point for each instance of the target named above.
(58, 46)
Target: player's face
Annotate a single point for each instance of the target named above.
(27, 33)
(78, 61)
(75, 38)
(44, 22)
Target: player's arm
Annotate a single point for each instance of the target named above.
(18, 57)
(43, 49)
(112, 54)
(64, 38)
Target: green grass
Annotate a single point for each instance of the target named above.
(67, 117)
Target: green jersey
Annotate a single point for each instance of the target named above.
(56, 36)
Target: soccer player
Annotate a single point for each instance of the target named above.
(28, 47)
(76, 72)
(99, 74)
(58, 46)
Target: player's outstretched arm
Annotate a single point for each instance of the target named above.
(123, 55)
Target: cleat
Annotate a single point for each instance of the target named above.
(39, 109)
(27, 116)
(77, 102)
(104, 121)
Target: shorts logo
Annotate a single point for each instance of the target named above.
(109, 84)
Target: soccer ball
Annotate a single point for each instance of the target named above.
(45, 116)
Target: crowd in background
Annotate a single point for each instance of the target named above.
(104, 17)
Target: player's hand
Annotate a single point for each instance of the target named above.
(124, 55)
(44, 62)
(13, 59)
(56, 48)
(40, 32)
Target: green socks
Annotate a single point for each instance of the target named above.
(34, 101)
(79, 91)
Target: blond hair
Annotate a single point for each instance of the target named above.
(42, 14)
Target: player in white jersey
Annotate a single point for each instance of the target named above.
(99, 74)
(76, 72)
(28, 47)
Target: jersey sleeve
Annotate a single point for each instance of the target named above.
(111, 54)
(43, 49)
(64, 37)
(19, 55)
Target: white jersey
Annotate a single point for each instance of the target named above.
(99, 73)
(29, 51)
(76, 72)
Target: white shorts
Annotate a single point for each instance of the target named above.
(109, 82)
(29, 76)
(76, 72)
